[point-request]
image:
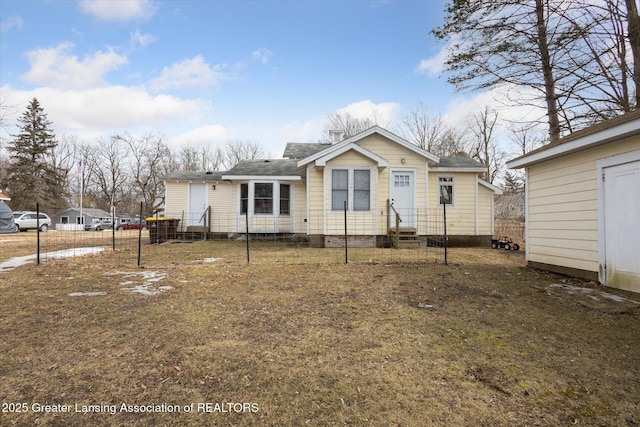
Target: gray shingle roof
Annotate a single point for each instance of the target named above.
(272, 167)
(302, 150)
(193, 176)
(457, 162)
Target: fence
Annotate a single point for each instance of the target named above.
(294, 237)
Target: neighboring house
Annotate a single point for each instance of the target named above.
(583, 203)
(72, 218)
(305, 193)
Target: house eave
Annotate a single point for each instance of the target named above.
(261, 178)
(590, 140)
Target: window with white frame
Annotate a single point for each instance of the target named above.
(446, 190)
(260, 198)
(351, 186)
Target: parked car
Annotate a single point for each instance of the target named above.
(134, 224)
(98, 225)
(29, 221)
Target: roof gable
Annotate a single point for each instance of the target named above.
(352, 141)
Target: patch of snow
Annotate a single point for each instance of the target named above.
(64, 253)
(149, 279)
(573, 289)
(211, 259)
(87, 294)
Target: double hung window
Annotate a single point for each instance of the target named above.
(351, 186)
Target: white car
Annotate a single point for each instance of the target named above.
(29, 221)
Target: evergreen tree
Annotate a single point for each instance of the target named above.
(31, 177)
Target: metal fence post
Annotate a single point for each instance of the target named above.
(140, 236)
(346, 245)
(37, 233)
(446, 239)
(246, 220)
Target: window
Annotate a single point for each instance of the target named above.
(285, 191)
(361, 190)
(402, 181)
(339, 188)
(352, 186)
(244, 199)
(446, 185)
(263, 198)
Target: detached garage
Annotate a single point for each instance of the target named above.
(583, 203)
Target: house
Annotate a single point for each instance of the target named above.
(369, 179)
(75, 218)
(583, 203)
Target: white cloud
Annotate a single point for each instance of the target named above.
(119, 10)
(108, 109)
(208, 134)
(12, 22)
(138, 39)
(383, 114)
(263, 55)
(434, 65)
(193, 72)
(56, 67)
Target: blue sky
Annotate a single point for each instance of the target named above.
(214, 71)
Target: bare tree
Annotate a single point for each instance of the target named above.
(483, 146)
(149, 161)
(106, 162)
(423, 128)
(348, 124)
(201, 157)
(237, 150)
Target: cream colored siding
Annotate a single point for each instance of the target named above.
(461, 216)
(299, 207)
(485, 209)
(395, 154)
(359, 222)
(563, 208)
(315, 180)
(176, 195)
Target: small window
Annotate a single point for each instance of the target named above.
(244, 199)
(361, 190)
(263, 198)
(285, 192)
(446, 190)
(339, 188)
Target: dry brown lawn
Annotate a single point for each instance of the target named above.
(482, 341)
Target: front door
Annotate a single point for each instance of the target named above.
(402, 198)
(197, 203)
(622, 228)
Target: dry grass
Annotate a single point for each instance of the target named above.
(483, 341)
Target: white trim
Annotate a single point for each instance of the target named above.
(601, 165)
(375, 129)
(350, 189)
(453, 189)
(322, 161)
(414, 183)
(526, 214)
(490, 186)
(631, 127)
(476, 212)
(307, 195)
(263, 178)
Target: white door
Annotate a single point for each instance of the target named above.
(197, 203)
(622, 225)
(402, 198)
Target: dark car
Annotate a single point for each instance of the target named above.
(134, 224)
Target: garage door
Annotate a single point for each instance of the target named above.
(622, 227)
